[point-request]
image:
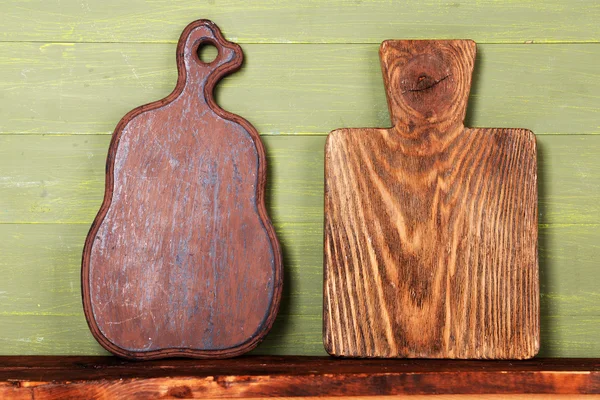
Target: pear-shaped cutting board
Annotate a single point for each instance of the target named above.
(182, 259)
(431, 227)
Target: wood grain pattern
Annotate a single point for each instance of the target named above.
(260, 377)
(182, 259)
(431, 227)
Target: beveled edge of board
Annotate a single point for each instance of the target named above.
(227, 68)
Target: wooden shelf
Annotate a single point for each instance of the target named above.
(96, 377)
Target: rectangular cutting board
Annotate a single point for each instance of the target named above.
(430, 227)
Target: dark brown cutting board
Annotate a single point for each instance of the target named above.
(430, 227)
(182, 259)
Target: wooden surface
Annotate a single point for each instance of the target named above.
(431, 228)
(252, 377)
(315, 21)
(70, 70)
(182, 259)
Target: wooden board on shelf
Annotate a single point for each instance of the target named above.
(182, 259)
(431, 228)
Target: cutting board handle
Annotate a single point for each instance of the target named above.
(427, 82)
(197, 75)
(182, 259)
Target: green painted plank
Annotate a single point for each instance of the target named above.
(41, 302)
(287, 21)
(61, 178)
(569, 274)
(569, 179)
(49, 335)
(570, 336)
(87, 88)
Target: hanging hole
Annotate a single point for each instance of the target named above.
(207, 52)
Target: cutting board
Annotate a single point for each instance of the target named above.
(430, 227)
(182, 259)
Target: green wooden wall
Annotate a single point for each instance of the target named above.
(70, 69)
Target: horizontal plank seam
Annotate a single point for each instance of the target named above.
(305, 317)
(286, 134)
(288, 223)
(173, 42)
